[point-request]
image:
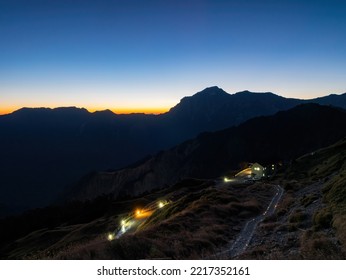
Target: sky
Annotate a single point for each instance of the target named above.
(145, 55)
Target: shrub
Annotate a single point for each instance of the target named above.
(319, 246)
(297, 217)
(323, 218)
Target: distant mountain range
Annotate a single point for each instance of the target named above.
(43, 151)
(270, 139)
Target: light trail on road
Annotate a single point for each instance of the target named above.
(134, 219)
(245, 236)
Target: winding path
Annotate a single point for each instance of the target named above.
(245, 236)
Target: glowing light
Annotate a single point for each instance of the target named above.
(244, 173)
(226, 180)
(110, 236)
(141, 214)
(123, 229)
(162, 203)
(123, 222)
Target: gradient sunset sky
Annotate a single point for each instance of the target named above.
(145, 55)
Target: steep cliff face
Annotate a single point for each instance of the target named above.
(281, 137)
(162, 170)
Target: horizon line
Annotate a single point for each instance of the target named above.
(121, 111)
(143, 110)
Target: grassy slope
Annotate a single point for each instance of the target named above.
(200, 220)
(196, 225)
(310, 219)
(330, 165)
(327, 167)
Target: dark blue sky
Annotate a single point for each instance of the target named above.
(134, 54)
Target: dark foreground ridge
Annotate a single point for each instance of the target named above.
(245, 219)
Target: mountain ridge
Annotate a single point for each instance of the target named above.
(208, 91)
(55, 147)
(298, 131)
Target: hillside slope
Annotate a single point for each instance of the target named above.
(281, 137)
(310, 221)
(201, 218)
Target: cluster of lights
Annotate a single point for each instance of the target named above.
(125, 224)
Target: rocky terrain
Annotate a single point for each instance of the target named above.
(309, 222)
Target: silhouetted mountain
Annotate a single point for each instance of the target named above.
(43, 150)
(213, 109)
(332, 100)
(269, 139)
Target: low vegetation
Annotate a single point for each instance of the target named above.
(199, 220)
(310, 221)
(335, 196)
(327, 167)
(196, 225)
(318, 245)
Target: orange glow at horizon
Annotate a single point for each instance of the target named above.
(155, 111)
(4, 111)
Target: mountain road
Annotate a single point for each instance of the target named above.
(245, 236)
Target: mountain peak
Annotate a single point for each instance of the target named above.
(106, 112)
(202, 101)
(209, 91)
(42, 113)
(47, 109)
(251, 92)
